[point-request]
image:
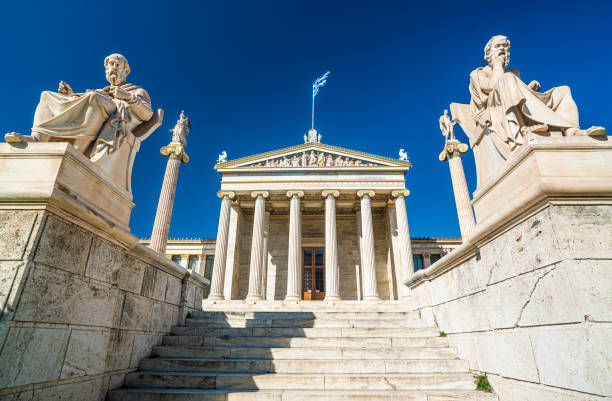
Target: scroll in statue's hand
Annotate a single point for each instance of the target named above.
(121, 94)
(534, 85)
(65, 89)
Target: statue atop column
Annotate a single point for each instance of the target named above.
(105, 124)
(447, 126)
(181, 130)
(504, 112)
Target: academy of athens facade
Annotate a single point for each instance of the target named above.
(312, 222)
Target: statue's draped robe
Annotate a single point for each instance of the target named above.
(511, 104)
(94, 114)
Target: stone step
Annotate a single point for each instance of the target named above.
(309, 306)
(354, 382)
(306, 332)
(307, 323)
(306, 342)
(282, 366)
(304, 353)
(156, 394)
(223, 315)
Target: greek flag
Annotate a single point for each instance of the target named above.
(321, 81)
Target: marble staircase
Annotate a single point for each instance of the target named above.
(308, 351)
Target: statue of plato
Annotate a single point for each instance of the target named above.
(96, 122)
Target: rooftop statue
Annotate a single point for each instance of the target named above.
(105, 124)
(504, 111)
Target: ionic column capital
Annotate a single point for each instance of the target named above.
(291, 194)
(332, 192)
(176, 152)
(400, 192)
(450, 147)
(228, 194)
(264, 194)
(362, 192)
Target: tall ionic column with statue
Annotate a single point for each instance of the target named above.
(175, 151)
(452, 152)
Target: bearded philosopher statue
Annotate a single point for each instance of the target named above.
(105, 125)
(504, 111)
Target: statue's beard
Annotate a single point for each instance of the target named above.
(114, 77)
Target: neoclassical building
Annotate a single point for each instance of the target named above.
(312, 222)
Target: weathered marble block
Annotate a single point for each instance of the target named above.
(81, 300)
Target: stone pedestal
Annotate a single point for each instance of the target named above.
(85, 301)
(535, 275)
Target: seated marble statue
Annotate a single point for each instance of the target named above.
(95, 122)
(511, 108)
(504, 112)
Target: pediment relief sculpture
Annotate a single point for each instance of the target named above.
(106, 125)
(504, 112)
(313, 158)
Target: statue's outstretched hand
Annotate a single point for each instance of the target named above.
(65, 89)
(121, 94)
(534, 85)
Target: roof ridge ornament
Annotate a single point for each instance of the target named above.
(312, 137)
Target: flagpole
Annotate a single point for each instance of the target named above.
(312, 127)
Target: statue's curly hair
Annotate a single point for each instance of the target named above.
(489, 44)
(120, 57)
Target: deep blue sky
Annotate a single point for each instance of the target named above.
(243, 71)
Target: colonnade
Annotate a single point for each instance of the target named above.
(294, 262)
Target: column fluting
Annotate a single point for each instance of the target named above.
(403, 232)
(332, 270)
(294, 257)
(370, 285)
(161, 227)
(462, 195)
(218, 273)
(256, 265)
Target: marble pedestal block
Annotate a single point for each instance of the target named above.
(527, 298)
(81, 301)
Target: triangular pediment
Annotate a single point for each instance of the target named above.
(312, 155)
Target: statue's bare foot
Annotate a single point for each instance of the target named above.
(593, 131)
(14, 137)
(596, 131)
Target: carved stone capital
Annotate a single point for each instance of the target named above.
(291, 194)
(176, 152)
(331, 192)
(400, 192)
(450, 148)
(362, 192)
(223, 194)
(255, 194)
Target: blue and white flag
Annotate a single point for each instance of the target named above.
(321, 81)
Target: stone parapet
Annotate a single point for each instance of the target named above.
(526, 298)
(81, 300)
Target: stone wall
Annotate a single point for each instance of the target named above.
(530, 302)
(80, 306)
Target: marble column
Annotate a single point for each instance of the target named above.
(256, 267)
(218, 274)
(159, 237)
(426, 260)
(452, 152)
(403, 233)
(368, 261)
(332, 270)
(294, 259)
(232, 264)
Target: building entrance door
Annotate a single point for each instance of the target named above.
(313, 274)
